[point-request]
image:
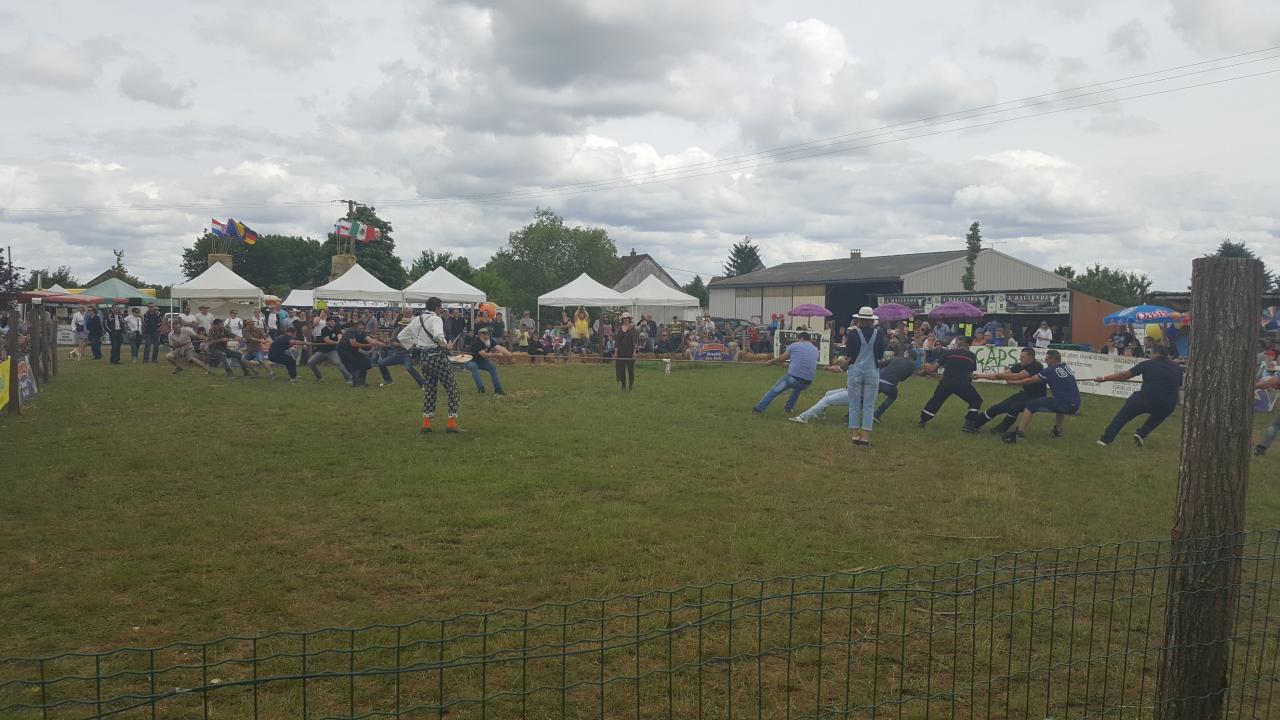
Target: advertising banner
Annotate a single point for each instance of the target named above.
(713, 351)
(920, 303)
(1042, 303)
(984, 302)
(783, 338)
(1085, 365)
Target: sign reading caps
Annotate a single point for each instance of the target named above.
(1044, 303)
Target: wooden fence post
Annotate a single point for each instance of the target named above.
(1208, 522)
(12, 340)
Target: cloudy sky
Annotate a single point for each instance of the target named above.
(129, 124)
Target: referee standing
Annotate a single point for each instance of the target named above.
(1161, 381)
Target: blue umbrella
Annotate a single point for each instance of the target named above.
(1141, 315)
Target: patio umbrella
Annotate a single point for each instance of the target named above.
(1141, 315)
(893, 312)
(809, 310)
(955, 310)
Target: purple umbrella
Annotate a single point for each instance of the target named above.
(893, 312)
(955, 310)
(809, 310)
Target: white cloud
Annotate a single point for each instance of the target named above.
(1131, 41)
(144, 81)
(1225, 26)
(1023, 52)
(46, 62)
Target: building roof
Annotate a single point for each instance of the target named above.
(861, 269)
(627, 263)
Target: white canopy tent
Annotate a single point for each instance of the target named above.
(300, 298)
(357, 284)
(445, 285)
(654, 297)
(219, 288)
(217, 282)
(582, 291)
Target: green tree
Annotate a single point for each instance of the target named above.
(276, 263)
(46, 278)
(973, 246)
(1231, 249)
(698, 289)
(744, 257)
(1122, 288)
(496, 289)
(546, 254)
(378, 257)
(10, 282)
(120, 272)
(427, 261)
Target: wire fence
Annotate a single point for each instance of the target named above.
(1059, 633)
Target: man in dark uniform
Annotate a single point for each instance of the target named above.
(1061, 380)
(1027, 366)
(1161, 381)
(957, 366)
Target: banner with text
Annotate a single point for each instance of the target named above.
(1084, 364)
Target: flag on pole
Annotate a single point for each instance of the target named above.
(342, 229)
(237, 230)
(364, 233)
(218, 228)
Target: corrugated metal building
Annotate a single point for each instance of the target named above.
(846, 284)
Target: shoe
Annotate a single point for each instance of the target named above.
(798, 419)
(922, 424)
(480, 390)
(425, 431)
(756, 410)
(1010, 438)
(498, 392)
(875, 420)
(177, 370)
(859, 442)
(1056, 432)
(1104, 443)
(383, 384)
(293, 380)
(1138, 441)
(1259, 450)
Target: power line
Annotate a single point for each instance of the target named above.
(775, 156)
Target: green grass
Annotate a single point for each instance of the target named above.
(141, 507)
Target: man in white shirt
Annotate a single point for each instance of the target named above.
(133, 332)
(235, 324)
(204, 320)
(1043, 336)
(424, 335)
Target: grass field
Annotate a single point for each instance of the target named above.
(141, 507)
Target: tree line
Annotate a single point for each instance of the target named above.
(540, 256)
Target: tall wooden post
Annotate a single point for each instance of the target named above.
(53, 345)
(1208, 522)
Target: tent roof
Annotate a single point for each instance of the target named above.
(357, 284)
(116, 288)
(300, 298)
(57, 289)
(584, 291)
(652, 291)
(217, 282)
(445, 285)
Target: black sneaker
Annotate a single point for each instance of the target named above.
(1259, 450)
(1056, 432)
(480, 390)
(1137, 440)
(1010, 438)
(499, 392)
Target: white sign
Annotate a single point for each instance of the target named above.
(1085, 365)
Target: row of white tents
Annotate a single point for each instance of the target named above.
(357, 285)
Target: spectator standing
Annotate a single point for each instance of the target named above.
(115, 331)
(1043, 336)
(235, 324)
(624, 366)
(204, 321)
(81, 335)
(499, 330)
(133, 330)
(151, 334)
(581, 328)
